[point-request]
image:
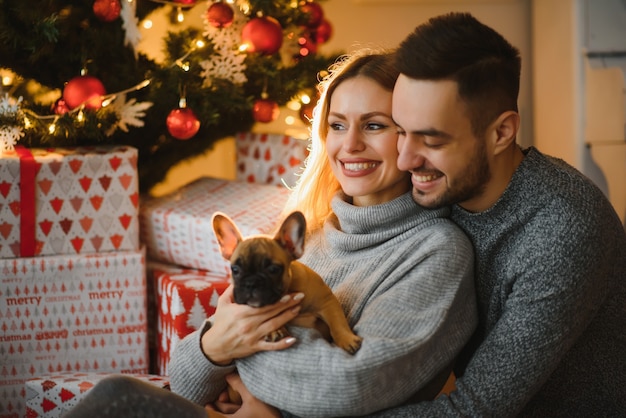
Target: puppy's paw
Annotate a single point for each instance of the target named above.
(351, 344)
(277, 335)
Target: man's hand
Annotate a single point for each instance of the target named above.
(250, 406)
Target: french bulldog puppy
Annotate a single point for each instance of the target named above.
(264, 268)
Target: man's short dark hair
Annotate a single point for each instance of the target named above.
(458, 47)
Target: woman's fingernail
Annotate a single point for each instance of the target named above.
(285, 298)
(298, 296)
(290, 340)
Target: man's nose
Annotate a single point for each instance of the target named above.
(409, 155)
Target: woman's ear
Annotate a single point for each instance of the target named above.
(505, 130)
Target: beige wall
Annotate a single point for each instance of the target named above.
(579, 111)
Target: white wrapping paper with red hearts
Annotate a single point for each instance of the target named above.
(184, 299)
(68, 201)
(63, 313)
(270, 158)
(50, 396)
(176, 228)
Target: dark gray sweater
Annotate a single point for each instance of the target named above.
(551, 288)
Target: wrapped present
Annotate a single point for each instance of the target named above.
(68, 201)
(176, 228)
(52, 395)
(184, 299)
(270, 158)
(84, 312)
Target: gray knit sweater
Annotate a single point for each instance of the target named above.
(551, 280)
(404, 277)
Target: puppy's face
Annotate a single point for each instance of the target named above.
(260, 272)
(260, 264)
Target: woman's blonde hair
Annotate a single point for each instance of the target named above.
(317, 184)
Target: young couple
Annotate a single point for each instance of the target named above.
(547, 331)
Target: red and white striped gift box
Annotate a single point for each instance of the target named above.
(270, 158)
(68, 201)
(176, 228)
(49, 396)
(184, 299)
(64, 313)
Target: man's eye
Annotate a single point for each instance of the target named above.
(433, 145)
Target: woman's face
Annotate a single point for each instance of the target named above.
(362, 142)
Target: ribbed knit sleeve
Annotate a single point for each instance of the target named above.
(192, 375)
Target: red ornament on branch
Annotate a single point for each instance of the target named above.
(107, 10)
(220, 15)
(323, 32)
(314, 13)
(84, 89)
(182, 123)
(265, 110)
(263, 35)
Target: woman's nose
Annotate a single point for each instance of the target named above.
(353, 141)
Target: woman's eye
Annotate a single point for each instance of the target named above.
(375, 126)
(336, 126)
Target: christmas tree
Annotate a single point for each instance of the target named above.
(76, 77)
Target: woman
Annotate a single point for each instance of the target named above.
(402, 273)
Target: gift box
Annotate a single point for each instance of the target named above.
(84, 312)
(184, 299)
(270, 158)
(52, 395)
(176, 228)
(68, 201)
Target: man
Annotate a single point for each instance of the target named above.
(551, 251)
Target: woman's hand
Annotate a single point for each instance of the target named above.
(239, 330)
(249, 407)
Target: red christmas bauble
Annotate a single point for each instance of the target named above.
(314, 14)
(220, 15)
(323, 32)
(265, 110)
(84, 89)
(60, 107)
(263, 35)
(182, 123)
(107, 10)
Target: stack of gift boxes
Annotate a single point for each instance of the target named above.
(78, 299)
(72, 273)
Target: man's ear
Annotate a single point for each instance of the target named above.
(504, 131)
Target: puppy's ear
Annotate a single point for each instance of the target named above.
(290, 235)
(227, 234)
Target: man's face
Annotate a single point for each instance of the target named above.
(436, 144)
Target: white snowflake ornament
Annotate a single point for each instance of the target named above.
(10, 133)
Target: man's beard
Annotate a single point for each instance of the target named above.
(469, 184)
